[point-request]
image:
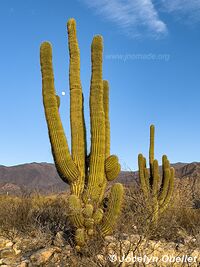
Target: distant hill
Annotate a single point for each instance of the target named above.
(43, 177)
(32, 177)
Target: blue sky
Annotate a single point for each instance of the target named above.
(151, 59)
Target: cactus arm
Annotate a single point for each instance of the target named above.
(112, 166)
(151, 152)
(170, 191)
(63, 161)
(75, 211)
(142, 175)
(151, 149)
(165, 165)
(58, 101)
(76, 108)
(165, 180)
(156, 178)
(113, 173)
(98, 216)
(165, 162)
(111, 162)
(96, 178)
(114, 209)
(146, 174)
(88, 211)
(155, 191)
(80, 238)
(107, 121)
(85, 134)
(164, 191)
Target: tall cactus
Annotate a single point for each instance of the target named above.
(156, 189)
(87, 174)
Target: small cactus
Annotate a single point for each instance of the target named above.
(87, 174)
(157, 189)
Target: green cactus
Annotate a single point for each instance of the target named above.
(86, 174)
(156, 189)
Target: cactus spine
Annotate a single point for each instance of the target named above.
(86, 174)
(156, 189)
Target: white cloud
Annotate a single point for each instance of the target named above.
(135, 17)
(142, 17)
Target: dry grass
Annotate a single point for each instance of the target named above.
(27, 214)
(43, 216)
(180, 219)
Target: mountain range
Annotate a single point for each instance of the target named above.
(43, 177)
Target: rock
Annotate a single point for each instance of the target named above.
(190, 239)
(110, 239)
(135, 238)
(3, 242)
(11, 261)
(68, 250)
(43, 255)
(15, 248)
(123, 252)
(126, 244)
(59, 240)
(124, 236)
(56, 257)
(101, 259)
(30, 244)
(7, 253)
(116, 251)
(9, 244)
(23, 264)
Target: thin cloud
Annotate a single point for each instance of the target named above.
(189, 9)
(181, 5)
(135, 17)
